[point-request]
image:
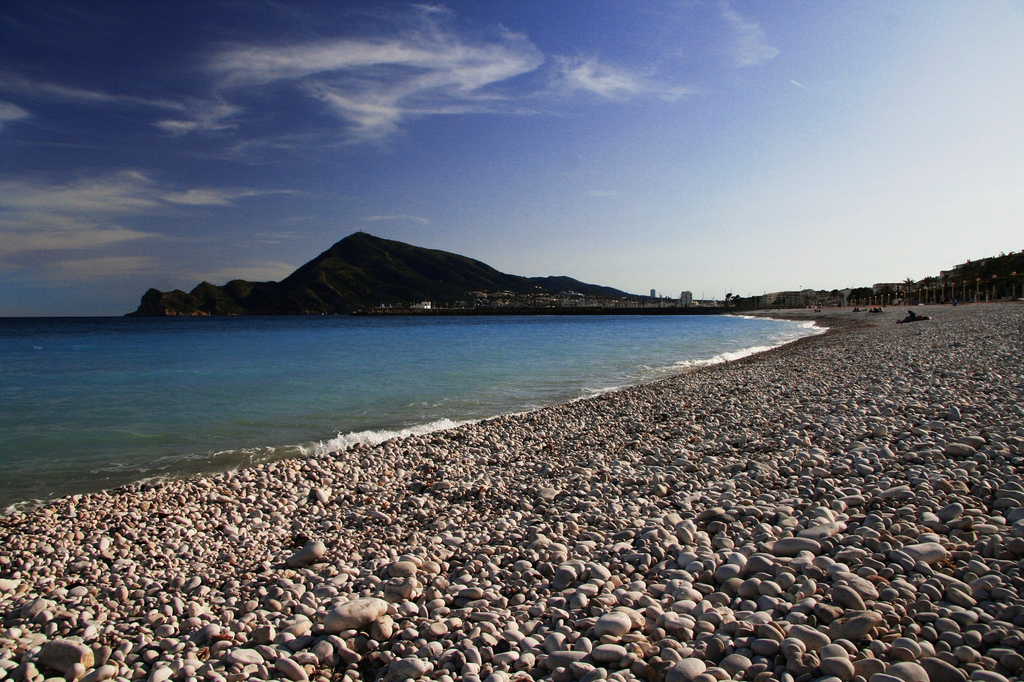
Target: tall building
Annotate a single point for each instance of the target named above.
(654, 294)
(686, 299)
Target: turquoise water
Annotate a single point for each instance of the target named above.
(91, 403)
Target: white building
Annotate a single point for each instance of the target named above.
(686, 299)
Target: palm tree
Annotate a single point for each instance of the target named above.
(929, 284)
(908, 283)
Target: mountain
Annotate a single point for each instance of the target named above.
(361, 271)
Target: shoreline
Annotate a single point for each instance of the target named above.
(265, 445)
(841, 491)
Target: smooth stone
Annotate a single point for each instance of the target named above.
(735, 664)
(685, 670)
(402, 569)
(837, 667)
(614, 623)
(908, 672)
(563, 659)
(355, 614)
(161, 673)
(900, 492)
(790, 547)
(950, 512)
(833, 651)
(564, 577)
(940, 671)
(104, 672)
(960, 450)
(866, 667)
(928, 552)
(61, 654)
(863, 587)
(858, 626)
(847, 597)
(309, 553)
(245, 657)
(764, 647)
(812, 639)
(290, 669)
(608, 653)
(35, 607)
(987, 676)
(408, 669)
(820, 532)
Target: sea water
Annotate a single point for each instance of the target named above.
(92, 403)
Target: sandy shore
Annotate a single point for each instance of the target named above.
(848, 507)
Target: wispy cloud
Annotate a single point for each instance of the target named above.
(610, 82)
(749, 44)
(53, 233)
(405, 217)
(376, 84)
(201, 115)
(101, 267)
(415, 64)
(38, 89)
(86, 213)
(190, 114)
(11, 112)
(81, 214)
(216, 197)
(117, 194)
(262, 271)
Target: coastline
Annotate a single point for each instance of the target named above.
(322, 378)
(811, 490)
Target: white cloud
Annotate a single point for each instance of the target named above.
(193, 114)
(396, 216)
(750, 46)
(86, 213)
(118, 194)
(11, 112)
(263, 271)
(88, 269)
(608, 81)
(201, 115)
(47, 234)
(600, 79)
(55, 91)
(376, 84)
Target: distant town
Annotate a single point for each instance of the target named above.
(988, 279)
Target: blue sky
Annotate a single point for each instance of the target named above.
(719, 146)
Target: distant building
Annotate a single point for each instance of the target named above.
(425, 305)
(788, 299)
(654, 294)
(686, 299)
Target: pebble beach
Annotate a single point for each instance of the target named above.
(849, 507)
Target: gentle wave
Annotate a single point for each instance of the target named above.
(137, 407)
(343, 442)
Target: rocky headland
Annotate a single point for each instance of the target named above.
(362, 272)
(848, 507)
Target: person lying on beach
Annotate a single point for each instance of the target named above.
(913, 317)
